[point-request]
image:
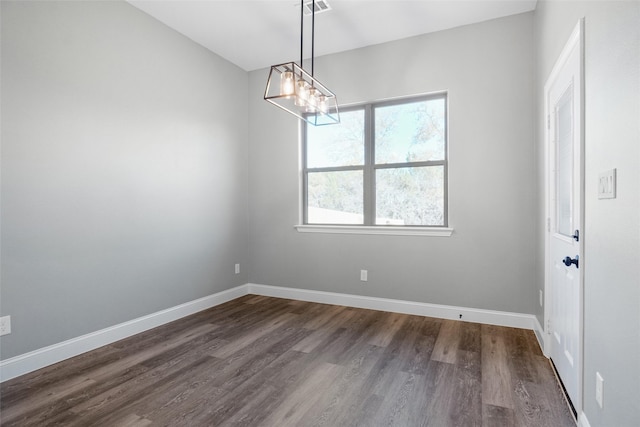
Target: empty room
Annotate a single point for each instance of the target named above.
(329, 212)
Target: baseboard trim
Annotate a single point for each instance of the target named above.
(46, 356)
(37, 359)
(491, 317)
(540, 335)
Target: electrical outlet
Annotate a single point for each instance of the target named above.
(237, 268)
(5, 325)
(599, 389)
(363, 275)
(540, 297)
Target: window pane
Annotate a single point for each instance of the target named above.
(335, 197)
(410, 196)
(410, 132)
(337, 145)
(564, 163)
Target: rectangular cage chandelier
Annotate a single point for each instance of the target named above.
(296, 91)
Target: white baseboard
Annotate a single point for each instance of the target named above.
(37, 359)
(491, 317)
(583, 421)
(540, 335)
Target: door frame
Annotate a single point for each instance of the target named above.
(575, 40)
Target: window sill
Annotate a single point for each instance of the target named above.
(361, 229)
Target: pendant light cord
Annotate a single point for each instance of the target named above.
(301, 30)
(313, 32)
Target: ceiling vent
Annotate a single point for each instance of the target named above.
(321, 6)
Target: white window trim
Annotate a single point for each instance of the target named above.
(363, 229)
(436, 231)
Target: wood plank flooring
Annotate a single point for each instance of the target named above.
(259, 361)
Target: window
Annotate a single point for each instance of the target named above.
(385, 164)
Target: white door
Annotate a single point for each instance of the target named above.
(563, 96)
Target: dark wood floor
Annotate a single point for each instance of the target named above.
(259, 361)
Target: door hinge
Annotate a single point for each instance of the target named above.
(548, 224)
(548, 121)
(548, 326)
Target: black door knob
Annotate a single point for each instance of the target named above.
(568, 261)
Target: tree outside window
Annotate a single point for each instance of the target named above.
(384, 164)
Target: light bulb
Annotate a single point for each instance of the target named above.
(302, 92)
(313, 97)
(322, 103)
(312, 103)
(286, 84)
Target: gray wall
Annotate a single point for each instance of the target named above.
(612, 227)
(490, 261)
(125, 175)
(124, 169)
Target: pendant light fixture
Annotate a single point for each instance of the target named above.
(296, 91)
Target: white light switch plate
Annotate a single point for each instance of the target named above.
(599, 389)
(5, 325)
(540, 297)
(607, 184)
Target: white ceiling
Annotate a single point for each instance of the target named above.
(255, 34)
